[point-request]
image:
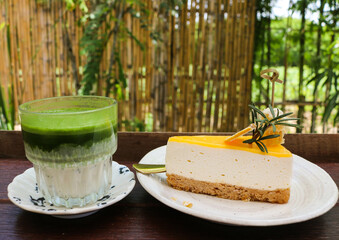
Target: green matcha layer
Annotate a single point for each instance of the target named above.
(69, 147)
(71, 154)
(49, 139)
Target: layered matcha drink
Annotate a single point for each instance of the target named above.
(70, 141)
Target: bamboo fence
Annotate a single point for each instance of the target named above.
(198, 78)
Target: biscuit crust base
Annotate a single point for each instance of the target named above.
(227, 191)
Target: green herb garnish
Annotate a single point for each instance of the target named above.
(261, 125)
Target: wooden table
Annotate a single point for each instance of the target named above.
(140, 216)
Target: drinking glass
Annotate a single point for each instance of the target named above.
(70, 141)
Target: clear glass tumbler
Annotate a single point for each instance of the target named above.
(70, 141)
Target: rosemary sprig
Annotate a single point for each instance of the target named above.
(263, 124)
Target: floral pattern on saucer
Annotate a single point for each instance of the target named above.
(24, 192)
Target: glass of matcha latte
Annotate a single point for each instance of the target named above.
(70, 141)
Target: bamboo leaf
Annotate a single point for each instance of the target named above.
(329, 78)
(317, 80)
(2, 124)
(122, 77)
(336, 119)
(330, 106)
(6, 122)
(11, 107)
(140, 44)
(3, 106)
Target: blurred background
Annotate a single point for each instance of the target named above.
(188, 66)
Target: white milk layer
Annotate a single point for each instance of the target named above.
(75, 185)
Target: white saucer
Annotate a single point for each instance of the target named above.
(23, 191)
(313, 193)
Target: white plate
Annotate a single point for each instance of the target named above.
(24, 193)
(313, 193)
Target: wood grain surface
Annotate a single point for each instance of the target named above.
(139, 215)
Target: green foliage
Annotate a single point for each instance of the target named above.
(331, 104)
(93, 43)
(2, 25)
(71, 5)
(7, 112)
(100, 16)
(172, 5)
(134, 125)
(328, 77)
(321, 66)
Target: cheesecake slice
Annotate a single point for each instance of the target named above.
(233, 170)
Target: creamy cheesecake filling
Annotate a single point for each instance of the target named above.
(229, 165)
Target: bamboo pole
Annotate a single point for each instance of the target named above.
(58, 45)
(63, 51)
(209, 54)
(134, 78)
(241, 60)
(172, 59)
(42, 58)
(230, 88)
(235, 60)
(138, 80)
(148, 63)
(14, 70)
(78, 35)
(182, 71)
(73, 25)
(224, 69)
(66, 44)
(52, 42)
(244, 113)
(250, 62)
(22, 25)
(217, 80)
(5, 75)
(35, 51)
(199, 61)
(193, 80)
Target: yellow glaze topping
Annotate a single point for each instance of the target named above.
(237, 144)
